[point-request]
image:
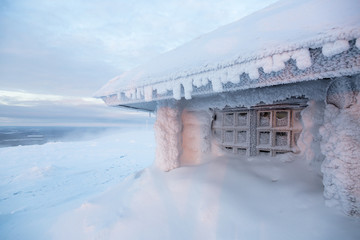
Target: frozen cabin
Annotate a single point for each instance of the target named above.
(284, 80)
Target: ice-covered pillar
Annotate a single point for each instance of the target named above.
(168, 136)
(341, 146)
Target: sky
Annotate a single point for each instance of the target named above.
(55, 54)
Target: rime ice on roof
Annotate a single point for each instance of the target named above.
(261, 43)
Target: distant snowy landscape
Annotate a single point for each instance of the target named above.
(97, 189)
(39, 182)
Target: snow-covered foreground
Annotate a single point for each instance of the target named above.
(40, 182)
(226, 198)
(57, 191)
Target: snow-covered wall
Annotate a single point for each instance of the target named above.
(330, 140)
(341, 145)
(183, 128)
(196, 136)
(183, 136)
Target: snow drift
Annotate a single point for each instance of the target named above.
(226, 198)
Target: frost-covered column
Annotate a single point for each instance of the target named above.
(196, 136)
(341, 146)
(168, 136)
(312, 118)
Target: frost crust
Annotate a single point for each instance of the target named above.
(168, 137)
(341, 146)
(331, 49)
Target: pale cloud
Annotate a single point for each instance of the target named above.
(24, 108)
(74, 47)
(54, 54)
(26, 99)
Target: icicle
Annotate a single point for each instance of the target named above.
(233, 75)
(188, 88)
(302, 58)
(128, 94)
(138, 93)
(131, 93)
(279, 61)
(357, 44)
(148, 91)
(141, 90)
(252, 70)
(197, 81)
(216, 84)
(266, 64)
(118, 95)
(331, 49)
(225, 76)
(161, 88)
(177, 90)
(204, 81)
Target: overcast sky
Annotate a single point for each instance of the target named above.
(62, 51)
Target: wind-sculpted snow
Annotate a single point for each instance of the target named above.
(226, 198)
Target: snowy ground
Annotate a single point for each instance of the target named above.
(56, 191)
(226, 198)
(39, 182)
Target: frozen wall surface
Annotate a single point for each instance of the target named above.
(183, 137)
(309, 140)
(196, 136)
(341, 146)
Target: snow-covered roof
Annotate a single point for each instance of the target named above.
(248, 53)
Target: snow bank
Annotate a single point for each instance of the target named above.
(226, 198)
(341, 146)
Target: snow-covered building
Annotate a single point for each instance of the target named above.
(284, 79)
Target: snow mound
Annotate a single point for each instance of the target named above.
(226, 198)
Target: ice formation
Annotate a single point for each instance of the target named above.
(341, 93)
(341, 146)
(309, 140)
(330, 49)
